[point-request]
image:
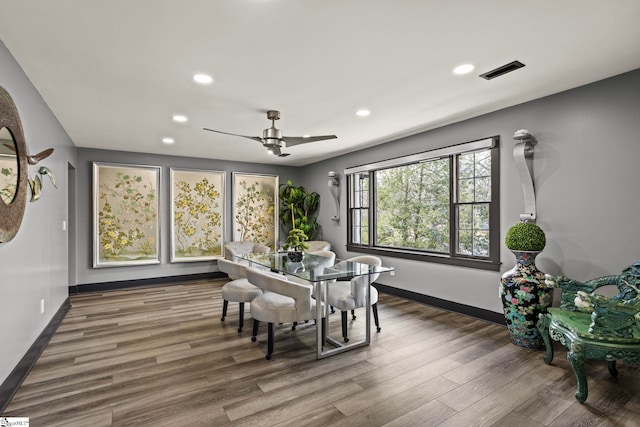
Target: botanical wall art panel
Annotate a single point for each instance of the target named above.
(255, 208)
(197, 215)
(125, 206)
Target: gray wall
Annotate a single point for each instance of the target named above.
(86, 274)
(586, 178)
(34, 265)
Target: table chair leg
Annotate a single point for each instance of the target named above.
(611, 364)
(241, 317)
(344, 326)
(324, 329)
(270, 340)
(374, 308)
(225, 304)
(256, 324)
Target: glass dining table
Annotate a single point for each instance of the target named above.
(321, 271)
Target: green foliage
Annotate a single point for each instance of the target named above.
(412, 206)
(299, 208)
(525, 236)
(296, 239)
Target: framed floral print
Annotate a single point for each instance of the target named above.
(126, 209)
(197, 215)
(255, 208)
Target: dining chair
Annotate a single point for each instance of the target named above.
(318, 245)
(327, 259)
(349, 295)
(282, 301)
(239, 290)
(233, 251)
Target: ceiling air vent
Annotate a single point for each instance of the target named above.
(504, 69)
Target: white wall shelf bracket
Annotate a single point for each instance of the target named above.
(523, 155)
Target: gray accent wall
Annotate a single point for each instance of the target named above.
(34, 265)
(587, 176)
(86, 274)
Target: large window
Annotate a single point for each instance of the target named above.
(438, 206)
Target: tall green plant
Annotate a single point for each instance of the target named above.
(298, 208)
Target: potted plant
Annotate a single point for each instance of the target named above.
(523, 289)
(299, 206)
(296, 241)
(525, 237)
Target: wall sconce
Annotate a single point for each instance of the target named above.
(334, 189)
(523, 155)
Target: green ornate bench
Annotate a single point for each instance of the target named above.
(593, 326)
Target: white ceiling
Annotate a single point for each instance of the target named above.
(114, 72)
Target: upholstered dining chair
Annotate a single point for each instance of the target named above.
(281, 301)
(328, 259)
(238, 290)
(234, 250)
(318, 245)
(350, 295)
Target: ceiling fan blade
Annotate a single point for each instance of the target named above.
(290, 141)
(255, 138)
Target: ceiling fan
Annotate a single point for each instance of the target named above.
(273, 139)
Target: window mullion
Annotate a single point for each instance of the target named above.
(371, 208)
(453, 199)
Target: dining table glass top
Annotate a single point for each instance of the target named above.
(314, 267)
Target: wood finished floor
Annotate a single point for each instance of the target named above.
(160, 356)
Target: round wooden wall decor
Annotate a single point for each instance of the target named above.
(13, 168)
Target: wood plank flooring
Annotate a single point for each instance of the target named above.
(160, 356)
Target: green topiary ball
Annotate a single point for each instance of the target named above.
(525, 236)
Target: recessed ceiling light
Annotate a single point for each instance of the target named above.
(306, 136)
(363, 113)
(168, 140)
(180, 118)
(463, 69)
(203, 79)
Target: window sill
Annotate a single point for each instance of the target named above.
(424, 257)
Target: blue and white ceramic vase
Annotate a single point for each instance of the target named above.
(525, 295)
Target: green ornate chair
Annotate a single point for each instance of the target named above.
(593, 326)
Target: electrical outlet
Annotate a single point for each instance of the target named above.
(42, 306)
